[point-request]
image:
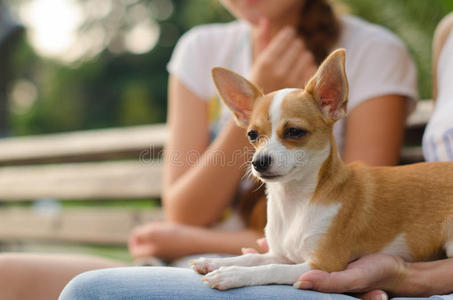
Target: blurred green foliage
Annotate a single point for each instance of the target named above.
(414, 21)
(124, 89)
(110, 89)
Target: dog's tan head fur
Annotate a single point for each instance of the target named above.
(289, 128)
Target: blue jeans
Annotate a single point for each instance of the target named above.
(140, 283)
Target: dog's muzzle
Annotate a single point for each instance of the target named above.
(262, 163)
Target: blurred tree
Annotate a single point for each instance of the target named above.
(10, 31)
(414, 22)
(116, 80)
(116, 73)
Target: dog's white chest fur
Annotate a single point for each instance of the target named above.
(294, 224)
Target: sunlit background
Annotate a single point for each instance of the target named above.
(128, 26)
(85, 64)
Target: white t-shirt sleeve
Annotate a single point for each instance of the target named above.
(438, 136)
(188, 65)
(381, 67)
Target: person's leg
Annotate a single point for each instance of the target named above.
(140, 283)
(38, 276)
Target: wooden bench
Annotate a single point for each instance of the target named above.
(99, 165)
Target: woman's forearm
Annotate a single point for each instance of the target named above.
(371, 144)
(199, 196)
(427, 279)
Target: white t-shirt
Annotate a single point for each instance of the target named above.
(438, 137)
(377, 62)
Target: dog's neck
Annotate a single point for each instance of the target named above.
(334, 172)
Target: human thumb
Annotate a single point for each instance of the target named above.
(336, 282)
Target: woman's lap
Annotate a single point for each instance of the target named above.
(141, 283)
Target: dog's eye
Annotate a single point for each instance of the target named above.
(294, 133)
(253, 135)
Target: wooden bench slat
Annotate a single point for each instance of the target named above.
(82, 144)
(411, 154)
(421, 115)
(93, 225)
(118, 140)
(103, 180)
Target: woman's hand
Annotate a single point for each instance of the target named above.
(160, 239)
(280, 62)
(371, 274)
(262, 246)
(169, 241)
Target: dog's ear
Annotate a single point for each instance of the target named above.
(329, 86)
(237, 93)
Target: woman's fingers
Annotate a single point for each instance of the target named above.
(142, 250)
(310, 72)
(264, 34)
(367, 276)
(279, 44)
(142, 232)
(149, 232)
(303, 69)
(289, 58)
(248, 250)
(262, 243)
(336, 282)
(374, 295)
(282, 62)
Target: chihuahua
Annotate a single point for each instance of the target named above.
(322, 214)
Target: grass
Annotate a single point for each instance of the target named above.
(414, 22)
(66, 204)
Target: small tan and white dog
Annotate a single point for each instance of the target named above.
(323, 214)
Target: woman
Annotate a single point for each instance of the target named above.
(276, 45)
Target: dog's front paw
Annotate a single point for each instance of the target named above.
(205, 265)
(225, 278)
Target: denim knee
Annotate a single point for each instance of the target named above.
(82, 287)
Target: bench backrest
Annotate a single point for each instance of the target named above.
(110, 164)
(107, 165)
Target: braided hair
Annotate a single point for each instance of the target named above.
(319, 27)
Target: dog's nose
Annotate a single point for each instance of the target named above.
(262, 163)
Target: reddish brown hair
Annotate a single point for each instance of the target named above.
(319, 27)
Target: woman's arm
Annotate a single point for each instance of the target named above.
(425, 279)
(199, 180)
(375, 130)
(169, 240)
